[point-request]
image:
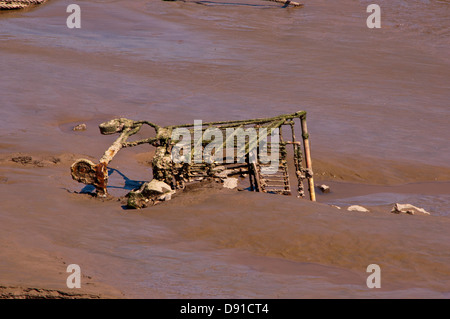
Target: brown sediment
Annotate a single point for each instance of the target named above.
(17, 292)
(270, 234)
(369, 170)
(304, 232)
(285, 2)
(32, 272)
(35, 159)
(378, 109)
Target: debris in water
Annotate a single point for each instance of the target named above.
(230, 183)
(408, 209)
(324, 188)
(80, 127)
(261, 156)
(357, 208)
(149, 194)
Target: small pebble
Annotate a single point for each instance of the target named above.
(80, 127)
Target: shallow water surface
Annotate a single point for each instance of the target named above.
(378, 114)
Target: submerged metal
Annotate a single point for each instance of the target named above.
(244, 161)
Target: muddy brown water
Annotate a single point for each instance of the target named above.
(378, 115)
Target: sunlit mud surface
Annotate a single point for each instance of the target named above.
(378, 116)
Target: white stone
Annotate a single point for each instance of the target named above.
(158, 187)
(324, 188)
(408, 209)
(166, 196)
(357, 208)
(230, 182)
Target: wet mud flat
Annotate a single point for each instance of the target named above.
(377, 108)
(208, 241)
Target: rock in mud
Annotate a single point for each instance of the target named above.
(230, 182)
(408, 209)
(357, 208)
(149, 194)
(324, 188)
(155, 186)
(22, 159)
(80, 127)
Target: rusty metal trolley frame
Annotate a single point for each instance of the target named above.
(177, 174)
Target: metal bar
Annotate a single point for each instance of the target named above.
(308, 161)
